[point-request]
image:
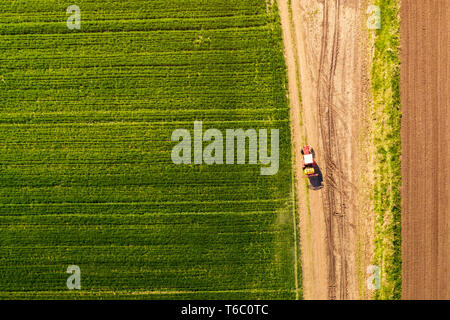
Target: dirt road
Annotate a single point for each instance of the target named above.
(425, 94)
(327, 61)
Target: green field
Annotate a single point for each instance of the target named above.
(86, 176)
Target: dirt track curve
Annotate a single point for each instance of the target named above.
(425, 79)
(326, 59)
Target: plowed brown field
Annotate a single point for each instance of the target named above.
(425, 98)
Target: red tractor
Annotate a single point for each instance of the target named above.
(309, 164)
(311, 169)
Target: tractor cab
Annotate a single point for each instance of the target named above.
(308, 161)
(310, 169)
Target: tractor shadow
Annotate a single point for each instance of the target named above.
(316, 183)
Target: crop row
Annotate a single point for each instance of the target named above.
(154, 295)
(144, 116)
(52, 10)
(96, 23)
(142, 207)
(28, 59)
(145, 41)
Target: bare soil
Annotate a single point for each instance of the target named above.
(326, 54)
(425, 97)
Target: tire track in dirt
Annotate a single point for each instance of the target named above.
(331, 88)
(312, 234)
(327, 129)
(425, 98)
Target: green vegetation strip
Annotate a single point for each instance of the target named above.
(387, 122)
(86, 176)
